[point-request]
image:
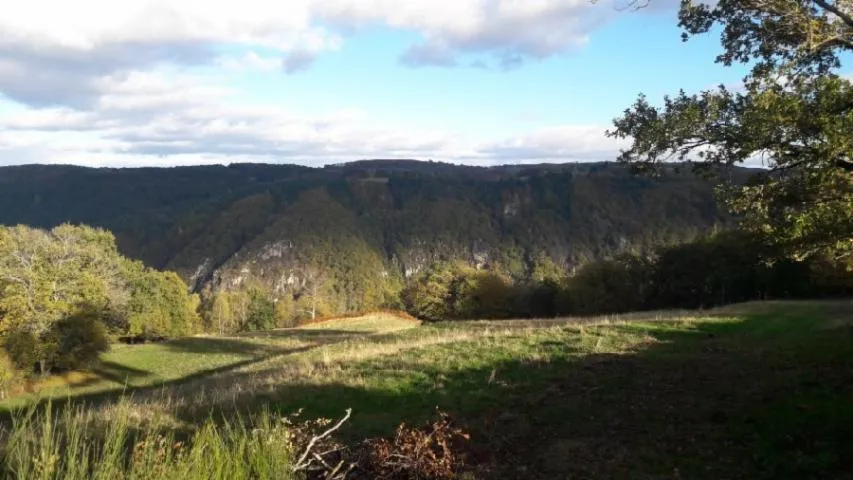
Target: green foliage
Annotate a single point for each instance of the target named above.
(481, 294)
(72, 342)
(795, 112)
(722, 268)
(367, 227)
(725, 268)
(23, 348)
(608, 286)
(262, 314)
(47, 275)
(79, 340)
(455, 291)
(10, 376)
(160, 304)
(220, 316)
(60, 289)
(429, 295)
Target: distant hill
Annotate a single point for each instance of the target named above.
(362, 221)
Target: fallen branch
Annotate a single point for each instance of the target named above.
(302, 464)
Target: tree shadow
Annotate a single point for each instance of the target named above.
(205, 345)
(259, 352)
(767, 396)
(118, 373)
(305, 333)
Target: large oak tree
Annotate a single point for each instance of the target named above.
(794, 112)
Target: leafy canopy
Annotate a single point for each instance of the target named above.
(794, 113)
(60, 288)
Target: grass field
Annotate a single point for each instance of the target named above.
(762, 390)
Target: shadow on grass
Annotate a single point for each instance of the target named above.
(205, 345)
(308, 334)
(118, 373)
(127, 376)
(770, 396)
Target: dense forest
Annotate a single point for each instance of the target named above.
(320, 241)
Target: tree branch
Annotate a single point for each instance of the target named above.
(844, 164)
(843, 16)
(301, 464)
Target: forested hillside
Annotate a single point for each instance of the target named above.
(349, 236)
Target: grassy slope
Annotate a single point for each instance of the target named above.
(126, 367)
(751, 391)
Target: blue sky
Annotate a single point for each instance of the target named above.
(314, 82)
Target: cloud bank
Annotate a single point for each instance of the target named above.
(101, 82)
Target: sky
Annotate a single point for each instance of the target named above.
(187, 82)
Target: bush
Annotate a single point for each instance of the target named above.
(23, 349)
(10, 377)
(77, 341)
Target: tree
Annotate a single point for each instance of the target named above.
(314, 280)
(608, 286)
(261, 315)
(221, 313)
(160, 304)
(480, 294)
(10, 377)
(428, 296)
(794, 112)
(77, 341)
(457, 291)
(47, 275)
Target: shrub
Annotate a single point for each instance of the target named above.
(10, 376)
(77, 341)
(23, 349)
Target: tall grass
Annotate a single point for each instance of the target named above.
(71, 443)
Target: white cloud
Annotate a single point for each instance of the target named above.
(161, 117)
(509, 30)
(142, 119)
(558, 143)
(250, 61)
(103, 82)
(55, 53)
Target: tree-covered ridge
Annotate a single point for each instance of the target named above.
(364, 228)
